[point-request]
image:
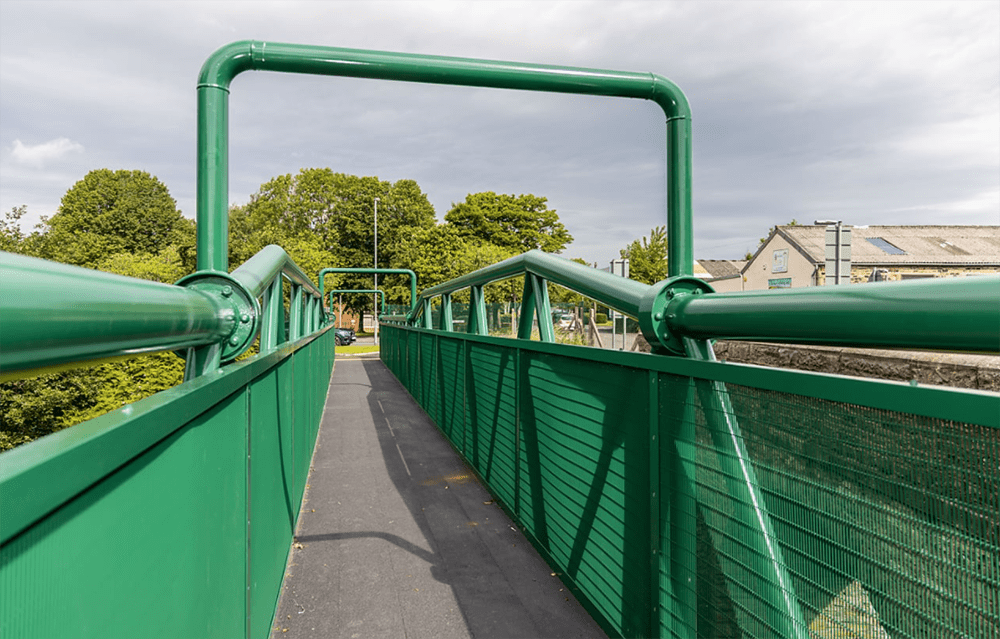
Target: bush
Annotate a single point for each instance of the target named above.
(602, 318)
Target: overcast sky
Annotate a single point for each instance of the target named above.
(869, 112)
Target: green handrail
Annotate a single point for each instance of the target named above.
(960, 314)
(226, 63)
(55, 315)
(957, 314)
(260, 270)
(616, 292)
(261, 275)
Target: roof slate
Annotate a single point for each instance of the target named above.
(922, 244)
(718, 269)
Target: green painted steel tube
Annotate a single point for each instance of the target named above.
(370, 291)
(955, 314)
(225, 64)
(371, 271)
(616, 292)
(768, 576)
(257, 273)
(54, 315)
(447, 319)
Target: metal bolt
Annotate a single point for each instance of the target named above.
(671, 316)
(697, 291)
(233, 341)
(658, 316)
(670, 294)
(244, 318)
(227, 291)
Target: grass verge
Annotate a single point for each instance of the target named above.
(356, 349)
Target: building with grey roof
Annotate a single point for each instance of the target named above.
(795, 255)
(723, 275)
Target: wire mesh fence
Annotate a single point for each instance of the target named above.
(776, 503)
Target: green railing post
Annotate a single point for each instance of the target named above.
(527, 316)
(447, 322)
(535, 306)
(426, 320)
(274, 316)
(543, 309)
(295, 314)
(476, 323)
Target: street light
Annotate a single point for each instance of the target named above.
(375, 295)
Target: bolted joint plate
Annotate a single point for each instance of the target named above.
(655, 316)
(241, 309)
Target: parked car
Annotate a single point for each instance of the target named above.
(344, 336)
(566, 323)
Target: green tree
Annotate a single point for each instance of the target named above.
(326, 219)
(110, 212)
(648, 257)
(34, 407)
(442, 253)
(515, 223)
(11, 237)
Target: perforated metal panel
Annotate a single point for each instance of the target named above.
(703, 499)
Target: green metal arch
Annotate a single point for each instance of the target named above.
(229, 61)
(373, 271)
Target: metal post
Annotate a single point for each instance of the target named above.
(375, 297)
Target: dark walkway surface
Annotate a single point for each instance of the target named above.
(398, 538)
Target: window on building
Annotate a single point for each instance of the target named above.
(891, 249)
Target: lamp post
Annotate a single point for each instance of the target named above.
(375, 295)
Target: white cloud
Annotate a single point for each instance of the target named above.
(40, 154)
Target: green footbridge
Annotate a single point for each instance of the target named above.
(672, 494)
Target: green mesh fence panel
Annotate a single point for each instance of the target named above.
(627, 477)
(888, 522)
(491, 437)
(584, 481)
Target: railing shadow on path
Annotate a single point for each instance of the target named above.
(501, 586)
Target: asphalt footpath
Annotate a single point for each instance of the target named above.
(398, 539)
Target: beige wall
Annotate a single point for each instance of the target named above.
(760, 273)
(727, 285)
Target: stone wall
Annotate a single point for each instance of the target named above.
(980, 372)
(896, 272)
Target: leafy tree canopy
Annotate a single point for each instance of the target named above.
(99, 225)
(11, 237)
(111, 212)
(442, 253)
(327, 219)
(515, 223)
(648, 257)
